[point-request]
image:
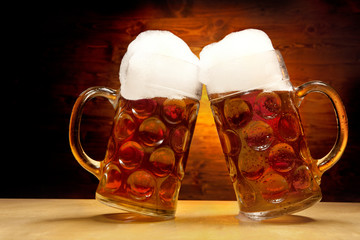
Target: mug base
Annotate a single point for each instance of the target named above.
(123, 204)
(263, 215)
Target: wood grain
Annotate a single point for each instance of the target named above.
(58, 52)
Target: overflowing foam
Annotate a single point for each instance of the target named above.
(159, 64)
(242, 61)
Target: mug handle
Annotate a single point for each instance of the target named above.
(341, 118)
(85, 161)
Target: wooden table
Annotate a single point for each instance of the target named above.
(87, 219)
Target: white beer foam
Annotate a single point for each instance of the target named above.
(159, 64)
(242, 61)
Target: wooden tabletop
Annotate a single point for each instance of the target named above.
(88, 219)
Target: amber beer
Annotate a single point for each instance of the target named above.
(147, 154)
(266, 152)
(255, 107)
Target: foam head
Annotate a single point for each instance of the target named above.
(242, 61)
(159, 64)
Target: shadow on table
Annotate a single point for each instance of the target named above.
(286, 220)
(126, 218)
(195, 220)
(211, 220)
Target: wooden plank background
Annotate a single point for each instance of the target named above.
(56, 51)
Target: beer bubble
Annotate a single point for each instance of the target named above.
(237, 112)
(246, 193)
(111, 179)
(168, 190)
(163, 161)
(267, 105)
(252, 165)
(122, 104)
(111, 149)
(289, 128)
(180, 169)
(231, 168)
(180, 138)
(143, 108)
(305, 152)
(174, 110)
(142, 185)
(230, 142)
(131, 155)
(216, 115)
(302, 178)
(274, 187)
(282, 157)
(152, 131)
(193, 112)
(124, 126)
(258, 135)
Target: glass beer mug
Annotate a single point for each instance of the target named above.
(150, 137)
(262, 136)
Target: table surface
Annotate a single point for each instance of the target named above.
(89, 219)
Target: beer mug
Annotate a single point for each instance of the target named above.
(152, 129)
(262, 137)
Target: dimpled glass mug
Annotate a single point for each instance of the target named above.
(255, 109)
(156, 111)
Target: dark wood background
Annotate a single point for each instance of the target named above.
(55, 51)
